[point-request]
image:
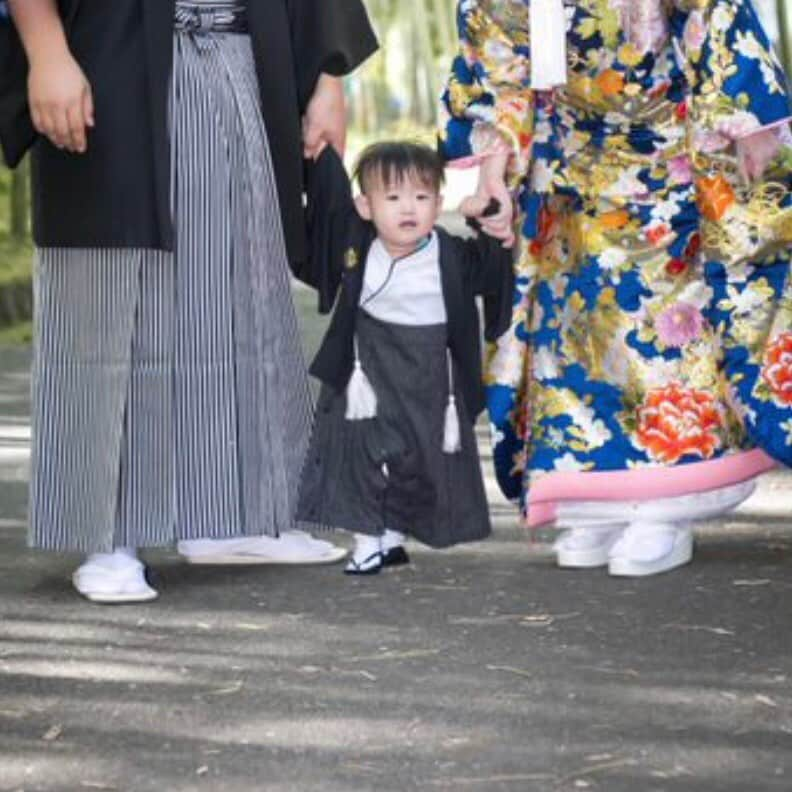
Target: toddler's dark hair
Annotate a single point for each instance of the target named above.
(391, 162)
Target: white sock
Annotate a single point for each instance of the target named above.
(120, 558)
(365, 547)
(391, 539)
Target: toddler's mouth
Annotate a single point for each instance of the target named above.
(408, 224)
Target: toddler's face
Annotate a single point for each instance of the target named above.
(403, 213)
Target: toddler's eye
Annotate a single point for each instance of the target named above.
(422, 197)
(392, 197)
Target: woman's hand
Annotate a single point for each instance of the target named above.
(325, 118)
(61, 103)
(492, 185)
(755, 152)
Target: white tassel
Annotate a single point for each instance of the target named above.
(452, 443)
(361, 401)
(548, 44)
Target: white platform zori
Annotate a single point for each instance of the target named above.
(291, 547)
(639, 538)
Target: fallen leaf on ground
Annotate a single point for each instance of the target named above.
(510, 669)
(235, 688)
(630, 672)
(699, 628)
(52, 733)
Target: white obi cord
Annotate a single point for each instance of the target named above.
(548, 59)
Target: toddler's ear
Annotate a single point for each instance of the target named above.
(363, 206)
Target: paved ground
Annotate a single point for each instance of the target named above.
(482, 669)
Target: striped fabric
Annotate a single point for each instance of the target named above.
(170, 395)
(205, 15)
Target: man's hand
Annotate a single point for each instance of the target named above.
(59, 95)
(325, 121)
(492, 185)
(61, 103)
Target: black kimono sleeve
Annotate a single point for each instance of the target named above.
(337, 235)
(16, 129)
(17, 133)
(331, 36)
(490, 271)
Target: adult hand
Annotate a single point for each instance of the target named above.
(61, 103)
(492, 185)
(755, 152)
(325, 118)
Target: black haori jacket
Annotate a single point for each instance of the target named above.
(340, 243)
(117, 194)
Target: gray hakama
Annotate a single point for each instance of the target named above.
(170, 394)
(391, 471)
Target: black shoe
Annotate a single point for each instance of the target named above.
(396, 556)
(369, 566)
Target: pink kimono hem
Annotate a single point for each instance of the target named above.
(642, 483)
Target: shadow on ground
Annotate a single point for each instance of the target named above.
(483, 668)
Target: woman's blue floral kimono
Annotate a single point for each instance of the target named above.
(652, 326)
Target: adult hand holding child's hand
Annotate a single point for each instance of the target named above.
(492, 187)
(755, 152)
(325, 120)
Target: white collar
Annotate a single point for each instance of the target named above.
(426, 248)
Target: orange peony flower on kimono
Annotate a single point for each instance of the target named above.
(777, 368)
(611, 82)
(715, 197)
(675, 421)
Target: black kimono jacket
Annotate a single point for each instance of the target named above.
(468, 267)
(117, 194)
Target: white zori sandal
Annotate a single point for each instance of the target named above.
(587, 544)
(113, 578)
(650, 547)
(640, 538)
(291, 547)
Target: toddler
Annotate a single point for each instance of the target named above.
(393, 450)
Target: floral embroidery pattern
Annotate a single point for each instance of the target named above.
(675, 422)
(777, 370)
(679, 325)
(651, 321)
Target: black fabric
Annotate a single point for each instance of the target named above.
(468, 267)
(339, 244)
(117, 194)
(330, 213)
(390, 471)
(16, 130)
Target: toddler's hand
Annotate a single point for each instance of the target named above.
(61, 103)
